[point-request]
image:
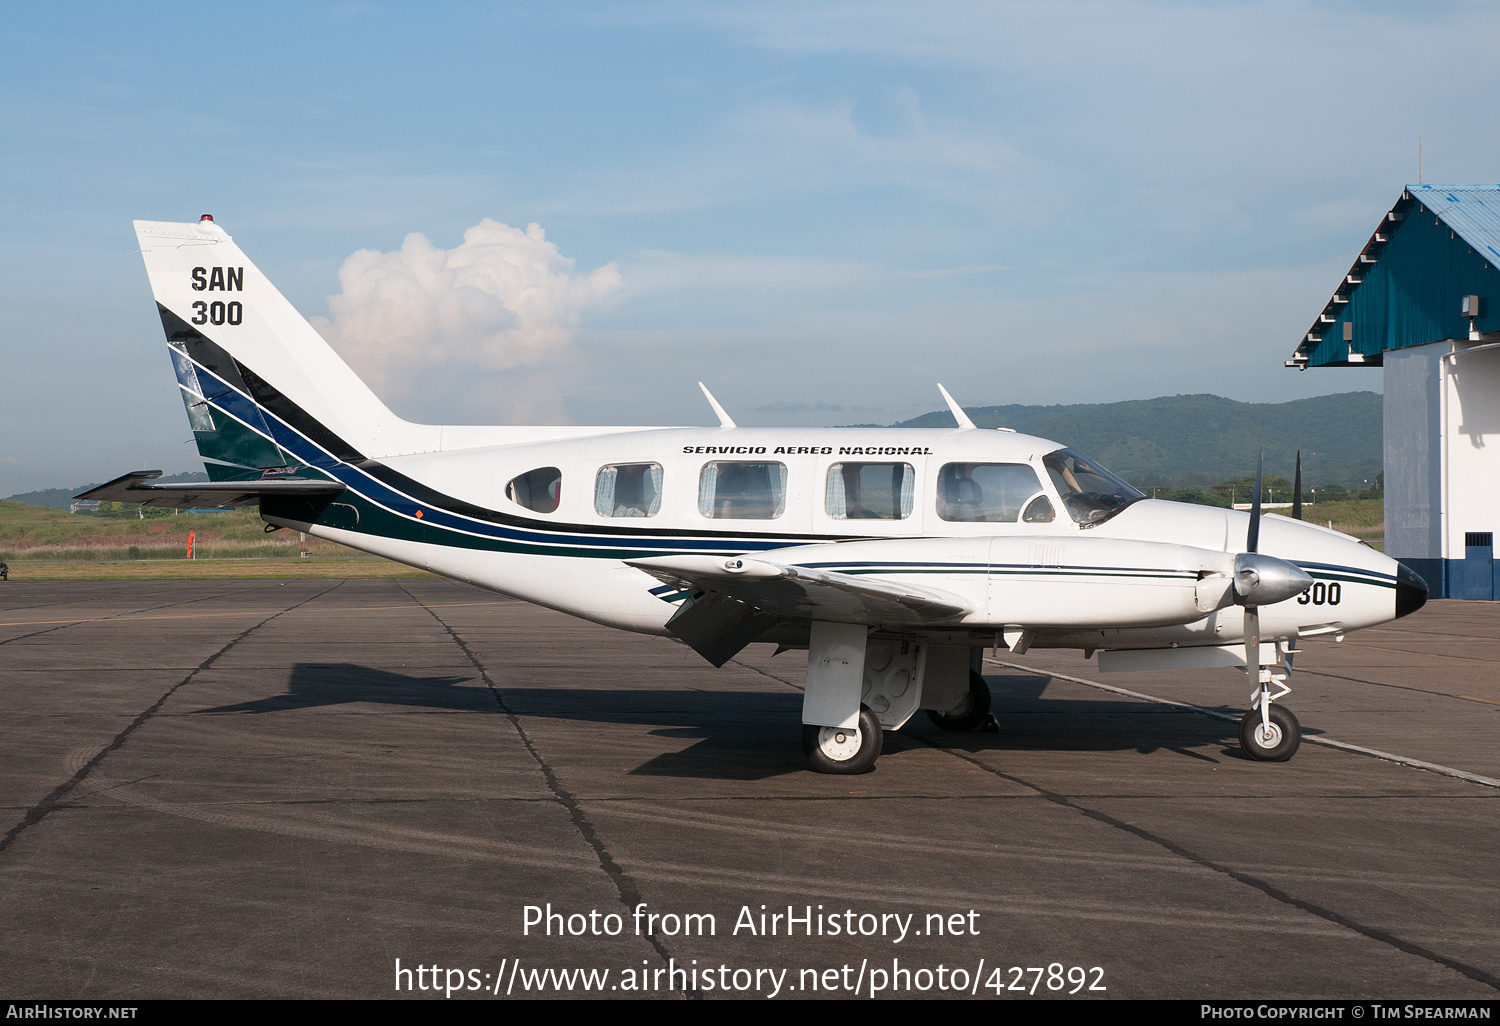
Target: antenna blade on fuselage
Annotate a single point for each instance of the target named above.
(957, 410)
(724, 419)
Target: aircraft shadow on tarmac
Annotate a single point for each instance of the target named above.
(754, 735)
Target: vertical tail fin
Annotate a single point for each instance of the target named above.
(262, 387)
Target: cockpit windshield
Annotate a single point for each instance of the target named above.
(1091, 494)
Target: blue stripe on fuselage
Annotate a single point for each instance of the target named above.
(245, 410)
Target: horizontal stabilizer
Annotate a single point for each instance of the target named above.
(134, 487)
(800, 593)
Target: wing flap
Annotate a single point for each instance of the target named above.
(717, 626)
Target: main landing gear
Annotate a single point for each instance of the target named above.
(1268, 732)
(860, 684)
(844, 750)
(972, 711)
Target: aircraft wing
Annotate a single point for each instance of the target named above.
(135, 487)
(800, 593)
(738, 598)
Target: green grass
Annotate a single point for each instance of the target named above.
(31, 533)
(45, 544)
(1363, 518)
(209, 569)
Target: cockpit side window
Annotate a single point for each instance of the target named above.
(628, 490)
(870, 491)
(990, 493)
(1038, 511)
(538, 490)
(1090, 493)
(742, 491)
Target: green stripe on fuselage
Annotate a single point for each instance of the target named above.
(355, 513)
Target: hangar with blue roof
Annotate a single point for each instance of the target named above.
(1422, 301)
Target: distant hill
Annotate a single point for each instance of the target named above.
(1194, 440)
(1178, 441)
(62, 498)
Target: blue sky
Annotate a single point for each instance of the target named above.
(820, 209)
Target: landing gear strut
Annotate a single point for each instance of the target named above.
(844, 750)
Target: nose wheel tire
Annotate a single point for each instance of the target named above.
(971, 712)
(1276, 745)
(844, 749)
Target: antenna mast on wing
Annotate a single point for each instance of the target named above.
(724, 420)
(957, 410)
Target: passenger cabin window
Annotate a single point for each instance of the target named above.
(870, 491)
(628, 490)
(742, 491)
(538, 490)
(988, 493)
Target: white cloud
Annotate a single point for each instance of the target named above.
(504, 298)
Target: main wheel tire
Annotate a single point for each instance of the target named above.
(1280, 745)
(844, 749)
(974, 710)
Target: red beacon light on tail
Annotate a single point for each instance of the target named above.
(206, 217)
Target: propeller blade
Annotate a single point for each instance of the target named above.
(1297, 489)
(1252, 644)
(1252, 537)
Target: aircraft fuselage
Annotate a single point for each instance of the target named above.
(1131, 581)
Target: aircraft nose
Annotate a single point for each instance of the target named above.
(1411, 590)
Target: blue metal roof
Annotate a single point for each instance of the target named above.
(1473, 211)
(1437, 244)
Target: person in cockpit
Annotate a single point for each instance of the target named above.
(962, 497)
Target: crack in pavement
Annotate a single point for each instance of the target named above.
(630, 895)
(39, 811)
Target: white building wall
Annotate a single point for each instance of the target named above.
(1471, 421)
(1442, 463)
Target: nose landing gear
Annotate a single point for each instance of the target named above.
(1270, 733)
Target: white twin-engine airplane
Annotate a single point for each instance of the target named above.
(895, 556)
